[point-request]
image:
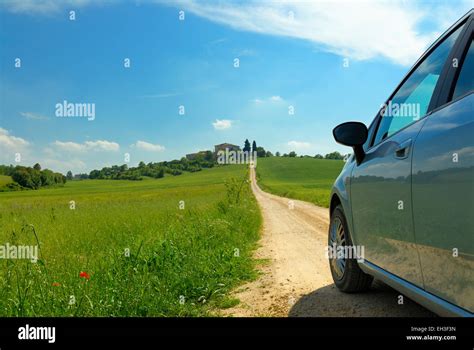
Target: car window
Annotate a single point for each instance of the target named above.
(465, 81)
(412, 99)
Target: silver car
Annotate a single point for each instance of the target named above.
(403, 204)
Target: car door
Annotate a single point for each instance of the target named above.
(443, 187)
(381, 185)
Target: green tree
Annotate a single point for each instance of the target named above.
(209, 156)
(277, 154)
(246, 146)
(94, 174)
(22, 177)
(161, 173)
(334, 155)
(37, 166)
(47, 178)
(35, 177)
(69, 175)
(254, 146)
(318, 156)
(261, 152)
(292, 154)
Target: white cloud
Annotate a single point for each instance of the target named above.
(299, 145)
(358, 30)
(99, 145)
(43, 6)
(276, 99)
(103, 145)
(149, 147)
(33, 116)
(63, 166)
(69, 146)
(12, 143)
(271, 99)
(222, 124)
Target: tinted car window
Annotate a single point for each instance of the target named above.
(465, 81)
(411, 101)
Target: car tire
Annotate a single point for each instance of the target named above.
(346, 273)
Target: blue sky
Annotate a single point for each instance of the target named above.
(290, 54)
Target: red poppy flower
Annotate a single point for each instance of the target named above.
(56, 284)
(84, 275)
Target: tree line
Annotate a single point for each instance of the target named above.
(34, 177)
(155, 170)
(31, 177)
(259, 150)
(332, 156)
(262, 153)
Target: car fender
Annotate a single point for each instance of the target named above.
(340, 193)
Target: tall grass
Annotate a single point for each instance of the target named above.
(140, 254)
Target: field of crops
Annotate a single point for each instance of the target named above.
(159, 247)
(307, 179)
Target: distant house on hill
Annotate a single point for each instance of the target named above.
(224, 146)
(192, 156)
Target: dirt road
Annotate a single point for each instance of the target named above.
(295, 278)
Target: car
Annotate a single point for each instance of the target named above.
(404, 200)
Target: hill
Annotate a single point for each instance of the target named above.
(307, 179)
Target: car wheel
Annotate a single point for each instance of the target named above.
(346, 273)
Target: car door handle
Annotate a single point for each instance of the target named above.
(403, 149)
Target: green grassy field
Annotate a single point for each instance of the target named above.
(181, 262)
(307, 179)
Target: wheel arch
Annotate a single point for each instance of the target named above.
(335, 201)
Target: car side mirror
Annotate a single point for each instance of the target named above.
(352, 134)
